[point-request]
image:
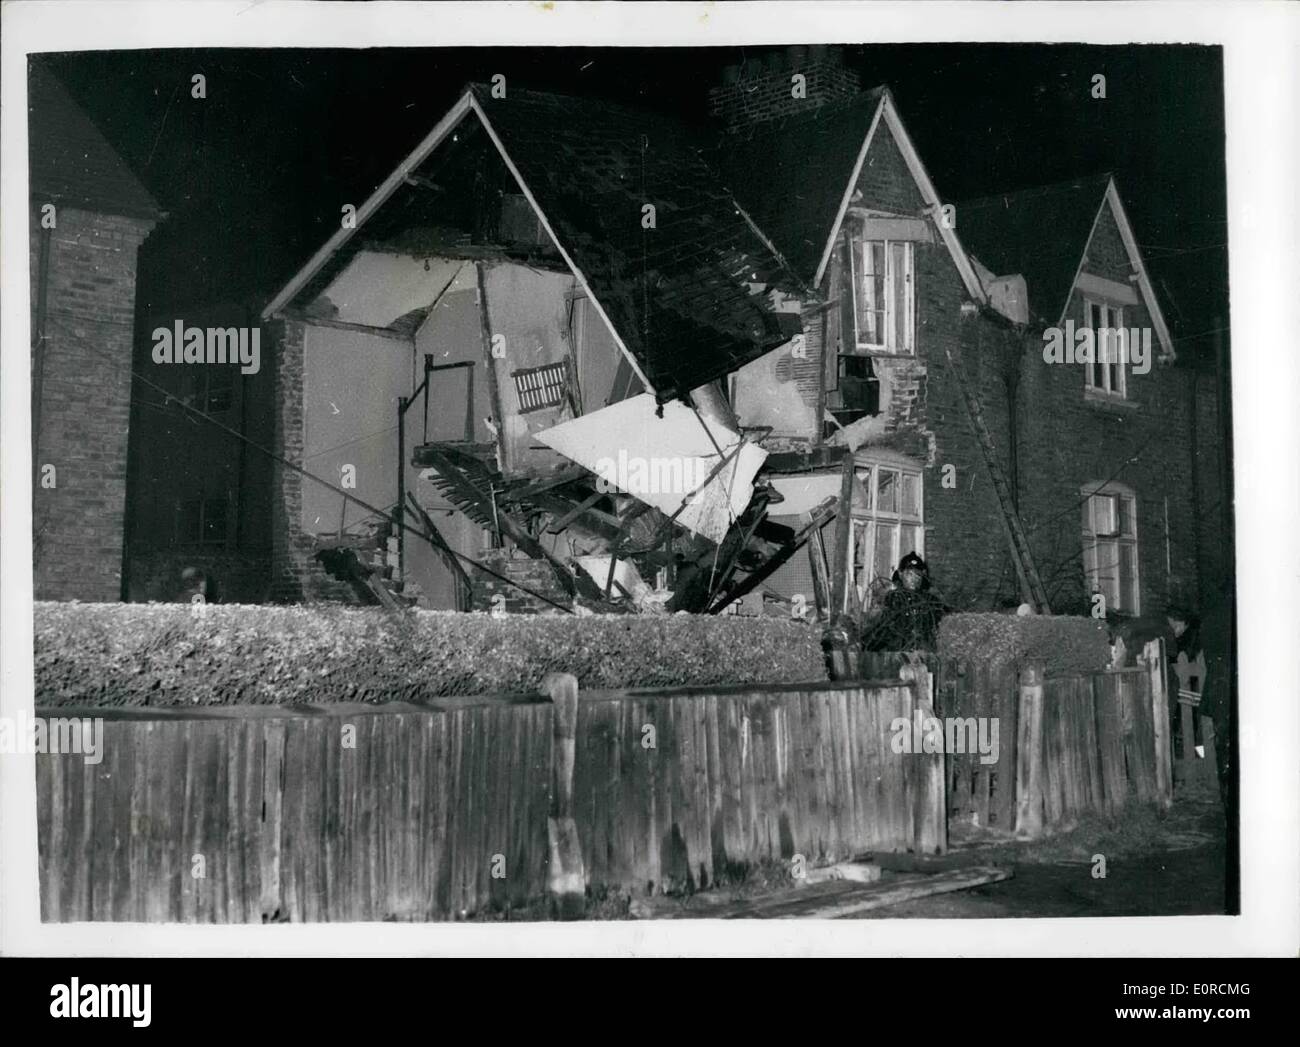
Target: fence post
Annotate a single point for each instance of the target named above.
(1029, 753)
(1154, 658)
(930, 816)
(566, 879)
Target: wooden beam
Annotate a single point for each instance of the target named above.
(568, 518)
(840, 578)
(299, 316)
(820, 515)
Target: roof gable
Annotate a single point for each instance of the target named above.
(71, 161)
(680, 295)
(797, 175)
(1045, 234)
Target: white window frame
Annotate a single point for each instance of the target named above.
(859, 263)
(1112, 319)
(865, 522)
(1101, 549)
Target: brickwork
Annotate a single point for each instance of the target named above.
(296, 576)
(495, 594)
(237, 578)
(80, 425)
(763, 90)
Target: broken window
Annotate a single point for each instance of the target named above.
(887, 525)
(541, 387)
(857, 394)
(882, 286)
(1110, 546)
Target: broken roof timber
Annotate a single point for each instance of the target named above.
(559, 245)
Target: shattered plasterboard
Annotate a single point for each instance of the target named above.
(661, 460)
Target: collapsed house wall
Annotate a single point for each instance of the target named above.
(527, 323)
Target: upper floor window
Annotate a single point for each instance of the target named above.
(1110, 545)
(1108, 371)
(883, 294)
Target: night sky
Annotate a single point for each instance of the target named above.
(254, 176)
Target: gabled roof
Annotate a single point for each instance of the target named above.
(795, 176)
(677, 296)
(1040, 233)
(70, 161)
(1043, 234)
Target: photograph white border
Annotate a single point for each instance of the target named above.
(1260, 42)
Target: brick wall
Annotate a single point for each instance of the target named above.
(81, 422)
(492, 594)
(236, 578)
(762, 89)
(296, 576)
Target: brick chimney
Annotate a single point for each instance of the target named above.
(763, 87)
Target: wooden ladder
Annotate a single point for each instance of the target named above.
(1031, 585)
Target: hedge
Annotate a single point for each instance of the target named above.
(1061, 644)
(163, 654)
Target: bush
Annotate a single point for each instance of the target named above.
(162, 654)
(1062, 644)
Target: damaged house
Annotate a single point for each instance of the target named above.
(575, 353)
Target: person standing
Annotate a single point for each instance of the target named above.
(910, 619)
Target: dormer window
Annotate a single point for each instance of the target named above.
(1108, 372)
(883, 295)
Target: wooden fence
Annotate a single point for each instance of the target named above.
(427, 812)
(1068, 744)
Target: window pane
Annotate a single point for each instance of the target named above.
(1128, 576)
(898, 288)
(1126, 516)
(909, 540)
(871, 296)
(884, 554)
(911, 503)
(887, 491)
(1086, 523)
(864, 478)
(1106, 514)
(1108, 572)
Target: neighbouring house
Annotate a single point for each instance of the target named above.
(200, 491)
(88, 218)
(639, 362)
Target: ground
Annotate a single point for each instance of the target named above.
(1155, 866)
(1157, 863)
